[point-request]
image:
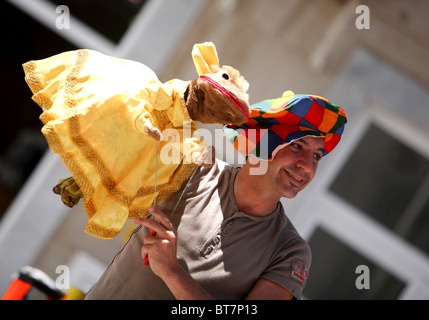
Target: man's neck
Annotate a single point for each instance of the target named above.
(250, 197)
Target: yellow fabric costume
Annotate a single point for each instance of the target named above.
(92, 105)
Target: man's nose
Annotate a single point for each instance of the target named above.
(305, 162)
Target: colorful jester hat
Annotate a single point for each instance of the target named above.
(277, 122)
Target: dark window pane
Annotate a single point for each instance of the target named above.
(418, 234)
(21, 142)
(109, 17)
(333, 273)
(381, 177)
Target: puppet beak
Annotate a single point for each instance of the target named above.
(226, 93)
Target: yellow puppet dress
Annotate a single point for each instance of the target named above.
(93, 106)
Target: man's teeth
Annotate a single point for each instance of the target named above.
(296, 178)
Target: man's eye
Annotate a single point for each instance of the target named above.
(317, 156)
(296, 146)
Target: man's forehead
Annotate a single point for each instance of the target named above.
(317, 142)
(314, 142)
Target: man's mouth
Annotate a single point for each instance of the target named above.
(295, 177)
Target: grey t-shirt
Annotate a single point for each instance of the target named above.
(223, 249)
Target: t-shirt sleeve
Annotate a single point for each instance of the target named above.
(290, 266)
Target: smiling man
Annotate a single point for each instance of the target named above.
(229, 236)
(289, 172)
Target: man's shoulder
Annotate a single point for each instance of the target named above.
(214, 176)
(290, 234)
(219, 168)
(222, 165)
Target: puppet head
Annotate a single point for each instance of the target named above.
(219, 95)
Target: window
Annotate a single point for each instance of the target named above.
(390, 182)
(333, 273)
(109, 17)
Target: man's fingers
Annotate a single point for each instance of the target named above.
(161, 217)
(144, 254)
(161, 225)
(153, 225)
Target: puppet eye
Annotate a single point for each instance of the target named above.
(223, 74)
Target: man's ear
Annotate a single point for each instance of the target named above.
(259, 166)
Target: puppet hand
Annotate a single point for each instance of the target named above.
(69, 191)
(205, 158)
(145, 125)
(153, 132)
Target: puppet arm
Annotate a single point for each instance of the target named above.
(140, 107)
(144, 123)
(139, 111)
(197, 151)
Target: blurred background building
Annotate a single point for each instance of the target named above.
(369, 203)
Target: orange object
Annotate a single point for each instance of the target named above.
(17, 290)
(146, 260)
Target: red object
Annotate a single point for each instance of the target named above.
(146, 260)
(17, 290)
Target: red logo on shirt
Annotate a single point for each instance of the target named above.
(298, 271)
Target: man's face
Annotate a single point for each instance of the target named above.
(294, 166)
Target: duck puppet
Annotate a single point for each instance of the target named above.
(106, 118)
